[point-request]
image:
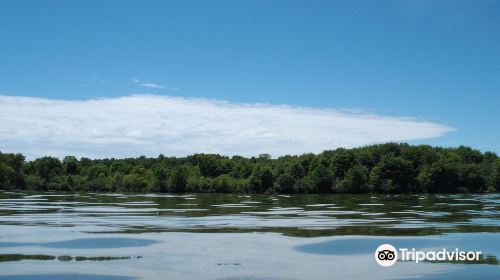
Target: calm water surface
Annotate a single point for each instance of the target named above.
(216, 236)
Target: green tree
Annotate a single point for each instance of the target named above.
(471, 179)
(160, 179)
(7, 177)
(384, 168)
(342, 160)
(177, 179)
(70, 165)
(439, 177)
(323, 179)
(354, 181)
(134, 182)
(392, 175)
(284, 183)
(47, 167)
(495, 175)
(261, 179)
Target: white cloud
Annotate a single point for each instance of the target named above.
(140, 83)
(150, 124)
(151, 85)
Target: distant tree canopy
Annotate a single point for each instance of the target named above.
(385, 168)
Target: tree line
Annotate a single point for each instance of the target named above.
(383, 168)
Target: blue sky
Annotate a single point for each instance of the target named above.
(430, 60)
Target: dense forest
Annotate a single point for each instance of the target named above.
(384, 168)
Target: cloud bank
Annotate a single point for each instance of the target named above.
(175, 126)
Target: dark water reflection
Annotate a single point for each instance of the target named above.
(203, 236)
(64, 277)
(300, 215)
(85, 243)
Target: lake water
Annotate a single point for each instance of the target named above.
(221, 236)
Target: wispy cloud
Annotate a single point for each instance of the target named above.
(140, 83)
(150, 125)
(151, 85)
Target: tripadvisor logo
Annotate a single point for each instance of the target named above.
(387, 255)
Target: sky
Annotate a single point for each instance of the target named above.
(122, 78)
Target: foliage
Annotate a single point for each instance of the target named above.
(384, 168)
